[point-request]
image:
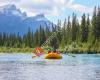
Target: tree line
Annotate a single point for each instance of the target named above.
(73, 33)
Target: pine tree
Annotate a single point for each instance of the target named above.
(42, 36)
(74, 28)
(98, 25)
(94, 24)
(63, 41)
(83, 29)
(68, 32)
(36, 38)
(87, 28)
(58, 31)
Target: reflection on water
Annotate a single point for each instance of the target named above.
(23, 67)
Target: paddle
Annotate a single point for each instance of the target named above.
(34, 56)
(69, 54)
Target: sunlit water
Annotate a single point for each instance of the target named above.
(23, 67)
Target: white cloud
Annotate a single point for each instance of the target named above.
(4, 2)
(48, 7)
(79, 7)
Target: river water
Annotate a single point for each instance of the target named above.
(22, 67)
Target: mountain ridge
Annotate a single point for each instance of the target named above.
(12, 20)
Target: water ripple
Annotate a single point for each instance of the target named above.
(23, 67)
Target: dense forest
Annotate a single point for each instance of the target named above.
(72, 35)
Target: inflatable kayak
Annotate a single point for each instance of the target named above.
(53, 56)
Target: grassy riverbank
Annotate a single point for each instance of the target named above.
(15, 50)
(81, 48)
(72, 48)
(18, 50)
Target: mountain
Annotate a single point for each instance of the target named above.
(12, 20)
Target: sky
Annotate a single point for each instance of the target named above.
(54, 9)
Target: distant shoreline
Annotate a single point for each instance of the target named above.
(29, 50)
(15, 50)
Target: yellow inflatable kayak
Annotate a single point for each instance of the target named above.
(53, 56)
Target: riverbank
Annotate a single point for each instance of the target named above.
(81, 48)
(67, 49)
(15, 50)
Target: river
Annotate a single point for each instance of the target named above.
(21, 66)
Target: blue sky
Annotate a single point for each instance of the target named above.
(54, 9)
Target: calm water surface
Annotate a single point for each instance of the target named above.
(23, 67)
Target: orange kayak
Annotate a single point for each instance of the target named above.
(53, 56)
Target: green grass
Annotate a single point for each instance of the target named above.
(72, 48)
(15, 50)
(81, 48)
